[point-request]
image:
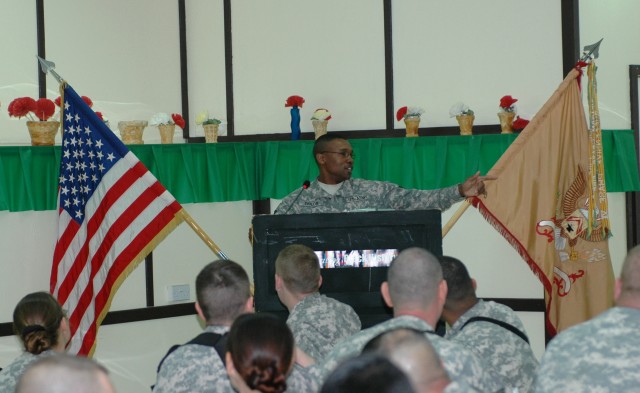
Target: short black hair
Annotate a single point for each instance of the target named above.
(459, 283)
(321, 143)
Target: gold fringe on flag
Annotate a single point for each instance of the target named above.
(598, 221)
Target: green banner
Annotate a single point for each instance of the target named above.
(219, 172)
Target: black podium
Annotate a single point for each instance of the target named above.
(347, 235)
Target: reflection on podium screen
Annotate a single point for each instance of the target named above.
(356, 258)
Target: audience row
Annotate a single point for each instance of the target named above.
(322, 348)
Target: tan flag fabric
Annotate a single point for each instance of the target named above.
(539, 203)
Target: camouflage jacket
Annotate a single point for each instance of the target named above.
(505, 355)
(318, 322)
(599, 355)
(198, 368)
(460, 363)
(10, 375)
(360, 194)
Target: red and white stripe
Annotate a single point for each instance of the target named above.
(126, 212)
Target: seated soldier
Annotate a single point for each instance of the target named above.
(412, 353)
(602, 354)
(318, 322)
(367, 373)
(223, 293)
(43, 328)
(260, 353)
(492, 331)
(65, 373)
(416, 292)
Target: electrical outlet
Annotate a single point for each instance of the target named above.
(178, 293)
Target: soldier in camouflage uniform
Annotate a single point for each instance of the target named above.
(318, 322)
(334, 191)
(43, 328)
(411, 351)
(490, 330)
(416, 291)
(222, 290)
(64, 373)
(602, 354)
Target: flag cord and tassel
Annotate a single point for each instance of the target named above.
(598, 227)
(201, 233)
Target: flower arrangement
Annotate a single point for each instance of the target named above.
(321, 114)
(164, 119)
(507, 104)
(408, 111)
(293, 101)
(459, 109)
(41, 109)
(86, 100)
(203, 118)
(519, 123)
(89, 103)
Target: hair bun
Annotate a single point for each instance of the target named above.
(32, 329)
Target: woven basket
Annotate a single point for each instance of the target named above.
(131, 131)
(466, 124)
(506, 122)
(43, 133)
(413, 124)
(319, 127)
(210, 133)
(166, 132)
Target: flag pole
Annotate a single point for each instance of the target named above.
(48, 67)
(201, 233)
(456, 216)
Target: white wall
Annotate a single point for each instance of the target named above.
(617, 22)
(126, 60)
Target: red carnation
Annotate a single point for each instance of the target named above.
(21, 106)
(294, 101)
(100, 115)
(87, 101)
(401, 112)
(44, 109)
(177, 118)
(507, 101)
(57, 101)
(519, 123)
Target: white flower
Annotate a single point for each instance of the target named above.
(160, 118)
(414, 111)
(321, 114)
(202, 117)
(458, 109)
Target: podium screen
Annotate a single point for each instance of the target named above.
(354, 250)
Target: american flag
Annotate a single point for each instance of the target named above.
(112, 213)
